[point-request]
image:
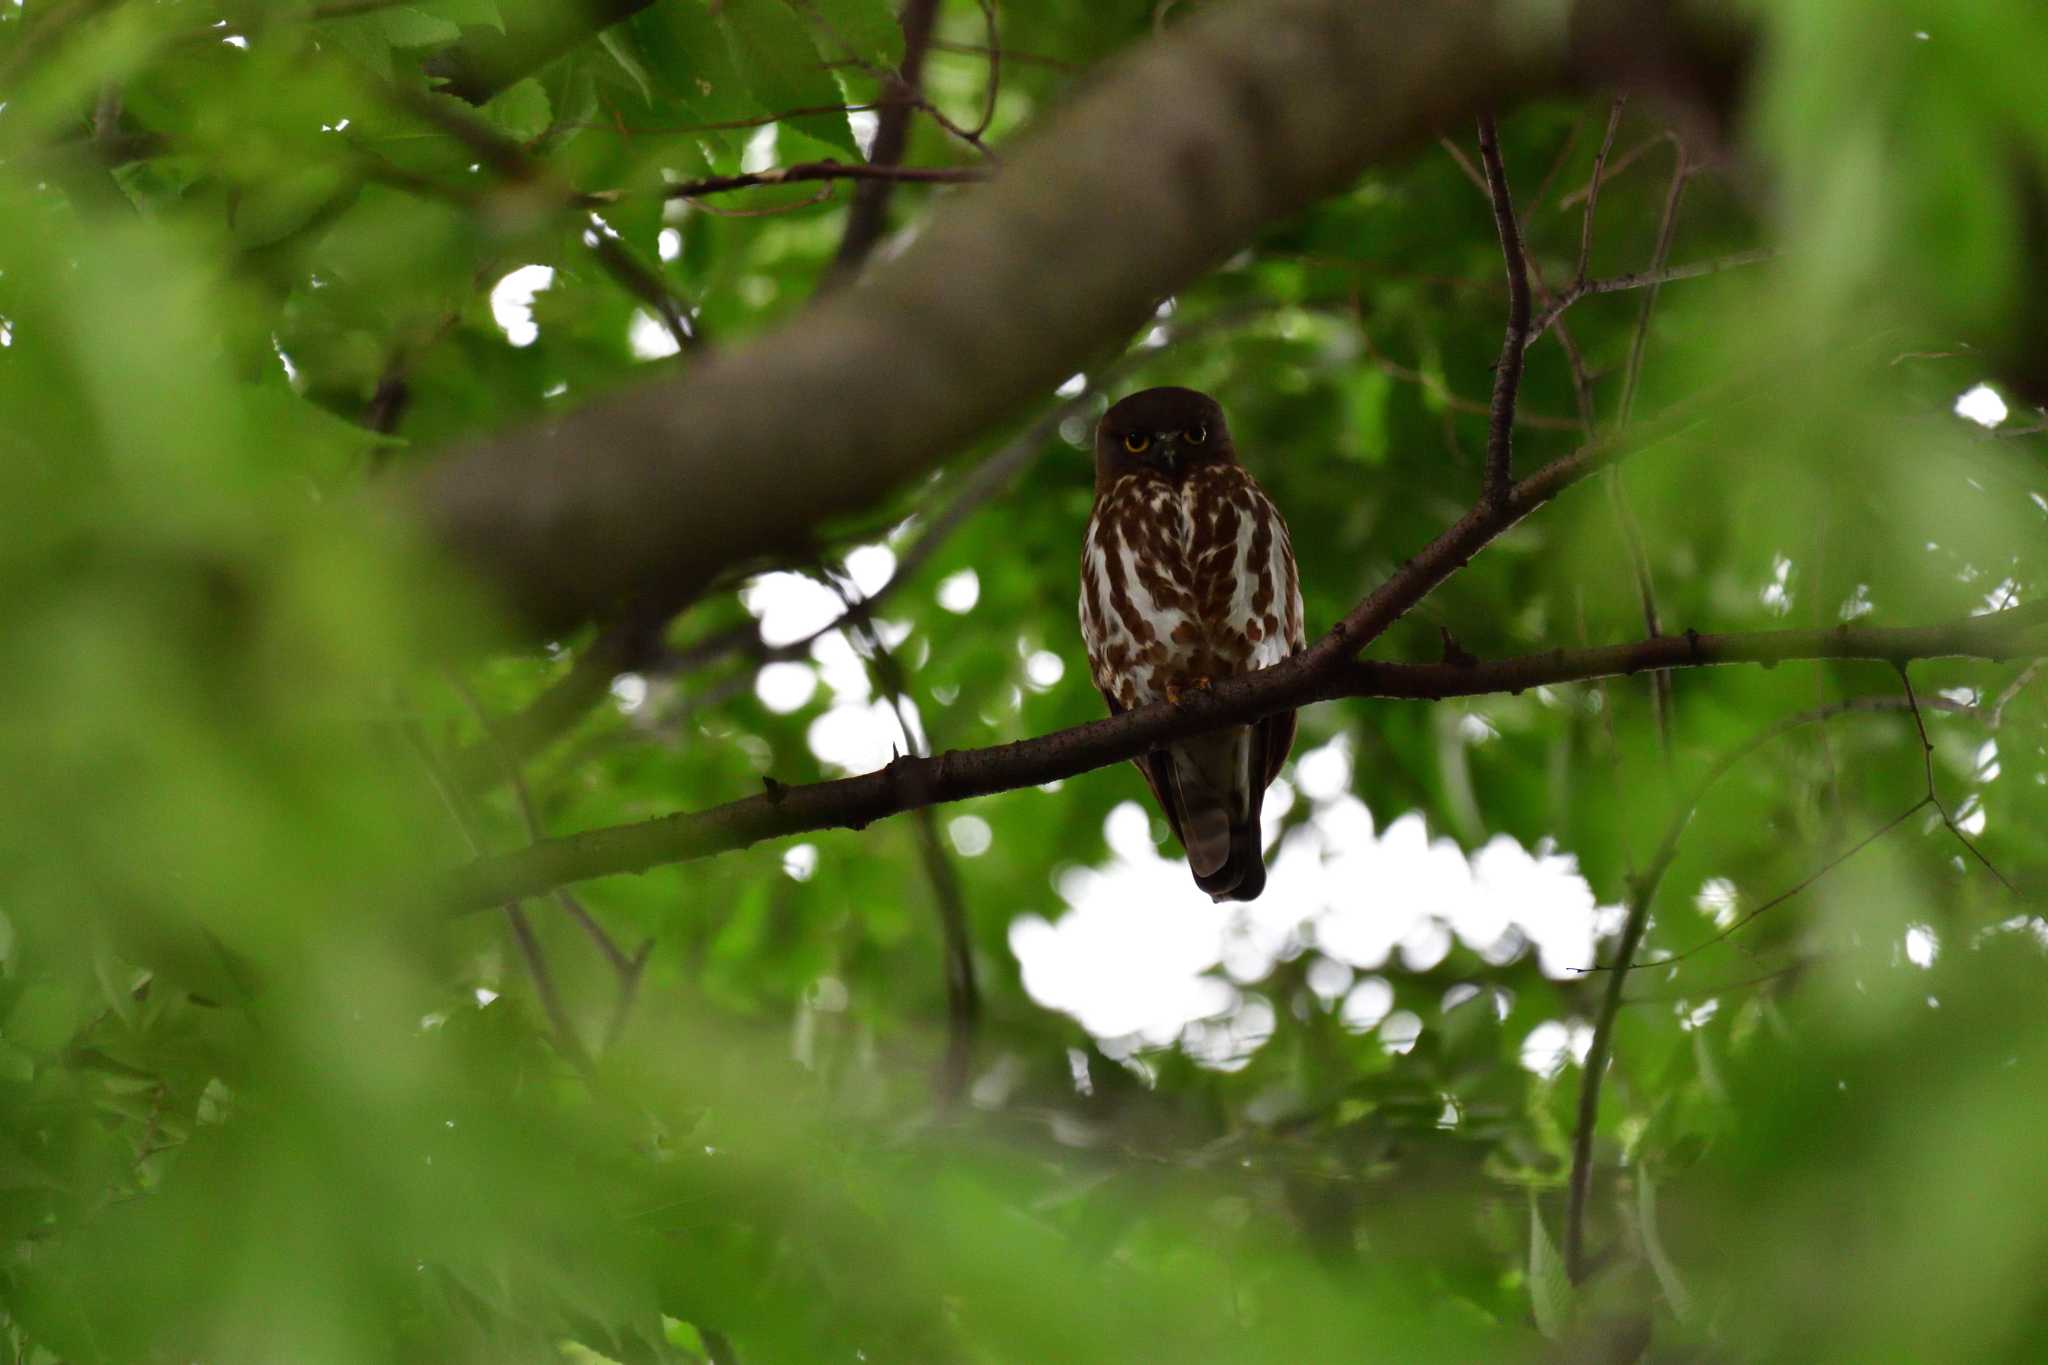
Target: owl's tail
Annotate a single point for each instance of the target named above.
(1218, 800)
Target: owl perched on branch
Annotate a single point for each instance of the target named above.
(1187, 576)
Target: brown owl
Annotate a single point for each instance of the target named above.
(1187, 576)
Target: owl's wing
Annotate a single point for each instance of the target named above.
(1272, 739)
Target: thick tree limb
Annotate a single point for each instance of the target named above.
(855, 802)
(1069, 248)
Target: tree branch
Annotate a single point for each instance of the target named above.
(673, 482)
(1312, 676)
(1645, 279)
(1507, 375)
(868, 219)
(826, 170)
(635, 641)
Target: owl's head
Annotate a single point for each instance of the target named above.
(1164, 432)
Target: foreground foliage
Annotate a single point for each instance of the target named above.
(262, 1097)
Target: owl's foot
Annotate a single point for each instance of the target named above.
(1174, 691)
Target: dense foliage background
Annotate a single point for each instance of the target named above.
(262, 1097)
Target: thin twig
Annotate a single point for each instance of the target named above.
(1742, 922)
(995, 68)
(1640, 573)
(824, 170)
(1456, 402)
(1933, 799)
(1716, 991)
(1681, 171)
(1507, 375)
(1645, 279)
(574, 908)
(963, 995)
(642, 281)
(1008, 55)
(1557, 165)
(1593, 192)
(1464, 163)
(868, 219)
(1581, 1180)
(824, 193)
(1639, 560)
(1859, 704)
(1642, 894)
(2013, 689)
(530, 951)
(544, 988)
(1620, 164)
(510, 161)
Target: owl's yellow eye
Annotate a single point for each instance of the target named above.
(1196, 434)
(1136, 442)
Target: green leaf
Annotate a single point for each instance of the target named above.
(1550, 1290)
(1653, 1247)
(785, 70)
(371, 38)
(521, 110)
(686, 59)
(618, 40)
(467, 13)
(867, 29)
(407, 27)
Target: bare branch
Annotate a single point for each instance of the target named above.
(1507, 375)
(627, 968)
(963, 995)
(995, 68)
(1320, 674)
(1639, 560)
(1646, 279)
(2019, 684)
(826, 170)
(1593, 191)
(530, 952)
(1934, 799)
(1457, 402)
(1620, 164)
(1681, 172)
(1007, 54)
(1737, 925)
(869, 217)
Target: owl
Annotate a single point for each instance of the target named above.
(1187, 576)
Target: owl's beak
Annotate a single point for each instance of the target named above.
(1169, 454)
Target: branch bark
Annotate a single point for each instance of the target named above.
(1070, 247)
(1308, 677)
